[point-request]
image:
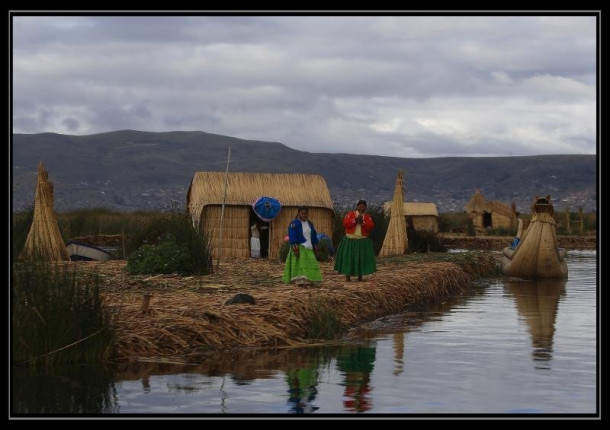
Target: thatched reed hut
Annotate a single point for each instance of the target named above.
(44, 239)
(423, 215)
(206, 195)
(490, 214)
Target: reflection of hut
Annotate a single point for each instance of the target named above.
(490, 214)
(399, 350)
(537, 302)
(44, 238)
(207, 193)
(424, 215)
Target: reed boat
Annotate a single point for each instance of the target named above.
(534, 252)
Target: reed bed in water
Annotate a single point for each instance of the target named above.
(188, 316)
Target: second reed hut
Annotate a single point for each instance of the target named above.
(490, 214)
(423, 215)
(207, 192)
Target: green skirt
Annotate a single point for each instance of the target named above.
(355, 257)
(306, 267)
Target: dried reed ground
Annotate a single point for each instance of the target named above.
(187, 316)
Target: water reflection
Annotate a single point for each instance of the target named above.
(537, 302)
(468, 353)
(303, 379)
(240, 366)
(399, 350)
(62, 390)
(302, 389)
(356, 364)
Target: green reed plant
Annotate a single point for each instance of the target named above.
(322, 321)
(283, 252)
(64, 389)
(458, 222)
(95, 221)
(381, 220)
(57, 316)
(323, 251)
(21, 224)
(502, 231)
(425, 241)
(172, 245)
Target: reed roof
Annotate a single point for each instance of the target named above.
(499, 208)
(478, 204)
(291, 189)
(415, 208)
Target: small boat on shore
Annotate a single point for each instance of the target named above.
(84, 252)
(534, 252)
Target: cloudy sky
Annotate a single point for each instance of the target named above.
(404, 86)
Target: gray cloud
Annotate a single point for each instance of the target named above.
(407, 86)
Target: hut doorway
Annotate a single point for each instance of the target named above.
(260, 228)
(487, 220)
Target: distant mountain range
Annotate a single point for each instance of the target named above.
(133, 170)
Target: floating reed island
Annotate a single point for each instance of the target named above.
(171, 317)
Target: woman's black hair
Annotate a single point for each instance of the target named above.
(361, 202)
(300, 209)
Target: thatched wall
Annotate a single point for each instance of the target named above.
(207, 193)
(425, 222)
(236, 229)
(501, 221)
(502, 216)
(497, 221)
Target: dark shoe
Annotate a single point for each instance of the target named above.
(359, 278)
(347, 278)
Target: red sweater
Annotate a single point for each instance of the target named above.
(349, 222)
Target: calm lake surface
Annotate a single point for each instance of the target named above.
(506, 346)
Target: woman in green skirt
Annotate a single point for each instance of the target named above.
(355, 254)
(302, 267)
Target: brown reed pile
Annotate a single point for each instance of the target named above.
(44, 239)
(395, 241)
(187, 316)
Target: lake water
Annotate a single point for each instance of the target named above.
(506, 347)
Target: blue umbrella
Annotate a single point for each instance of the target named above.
(266, 208)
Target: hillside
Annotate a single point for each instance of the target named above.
(133, 170)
